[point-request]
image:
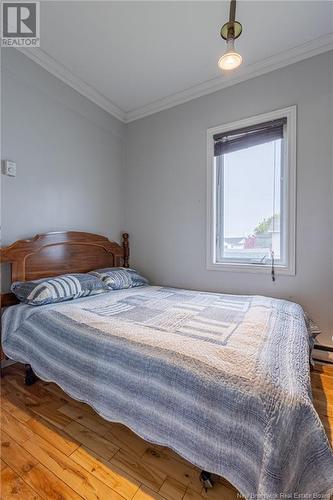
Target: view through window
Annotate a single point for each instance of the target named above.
(249, 211)
(251, 194)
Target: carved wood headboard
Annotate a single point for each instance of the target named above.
(52, 254)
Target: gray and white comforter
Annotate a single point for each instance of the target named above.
(221, 379)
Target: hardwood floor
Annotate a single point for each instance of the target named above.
(53, 447)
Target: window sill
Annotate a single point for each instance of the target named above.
(251, 268)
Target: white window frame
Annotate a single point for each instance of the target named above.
(289, 194)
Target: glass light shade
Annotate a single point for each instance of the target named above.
(230, 59)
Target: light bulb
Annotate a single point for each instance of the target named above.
(230, 59)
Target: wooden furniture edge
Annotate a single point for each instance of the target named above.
(8, 299)
(18, 253)
(51, 250)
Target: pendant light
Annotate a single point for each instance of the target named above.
(231, 30)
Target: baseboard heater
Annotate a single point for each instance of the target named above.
(323, 354)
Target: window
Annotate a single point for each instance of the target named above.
(251, 194)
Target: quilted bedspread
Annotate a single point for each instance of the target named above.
(223, 380)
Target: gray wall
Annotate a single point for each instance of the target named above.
(165, 211)
(69, 156)
(72, 174)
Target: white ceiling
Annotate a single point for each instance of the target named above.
(135, 58)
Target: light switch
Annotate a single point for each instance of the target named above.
(9, 168)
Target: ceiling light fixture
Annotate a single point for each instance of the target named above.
(231, 30)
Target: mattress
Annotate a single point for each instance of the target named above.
(221, 379)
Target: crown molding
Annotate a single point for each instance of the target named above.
(47, 62)
(286, 58)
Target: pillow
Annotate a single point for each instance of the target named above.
(117, 278)
(58, 289)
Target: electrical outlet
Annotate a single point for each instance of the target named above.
(9, 168)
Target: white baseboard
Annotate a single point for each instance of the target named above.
(322, 355)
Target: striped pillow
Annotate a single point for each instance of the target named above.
(117, 278)
(58, 289)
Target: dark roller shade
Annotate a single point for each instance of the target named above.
(246, 137)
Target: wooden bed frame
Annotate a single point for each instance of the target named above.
(53, 254)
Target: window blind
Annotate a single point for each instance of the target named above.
(247, 137)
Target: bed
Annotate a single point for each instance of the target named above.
(221, 379)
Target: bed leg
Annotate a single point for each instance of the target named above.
(30, 377)
(206, 480)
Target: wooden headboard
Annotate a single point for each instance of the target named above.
(52, 254)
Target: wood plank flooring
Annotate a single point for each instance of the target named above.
(53, 447)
